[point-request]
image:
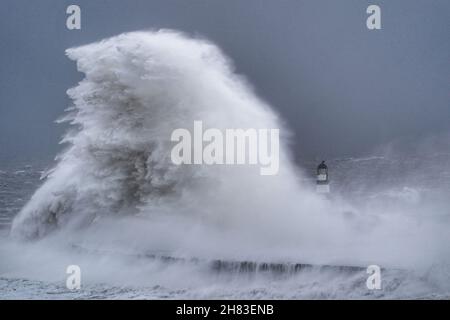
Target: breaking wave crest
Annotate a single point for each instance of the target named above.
(138, 88)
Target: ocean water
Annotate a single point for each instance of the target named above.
(143, 275)
(139, 226)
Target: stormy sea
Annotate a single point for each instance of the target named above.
(140, 227)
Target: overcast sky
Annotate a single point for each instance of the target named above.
(342, 88)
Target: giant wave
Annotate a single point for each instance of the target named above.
(115, 187)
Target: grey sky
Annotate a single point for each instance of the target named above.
(342, 88)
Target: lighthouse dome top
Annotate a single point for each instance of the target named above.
(322, 165)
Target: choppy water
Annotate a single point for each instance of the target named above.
(18, 182)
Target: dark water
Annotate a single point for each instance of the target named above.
(18, 181)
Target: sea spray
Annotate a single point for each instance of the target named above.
(115, 187)
(138, 88)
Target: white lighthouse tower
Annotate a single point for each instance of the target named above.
(323, 182)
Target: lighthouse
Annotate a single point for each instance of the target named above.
(323, 183)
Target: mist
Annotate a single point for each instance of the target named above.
(137, 89)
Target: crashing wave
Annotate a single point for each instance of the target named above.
(116, 185)
(138, 88)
